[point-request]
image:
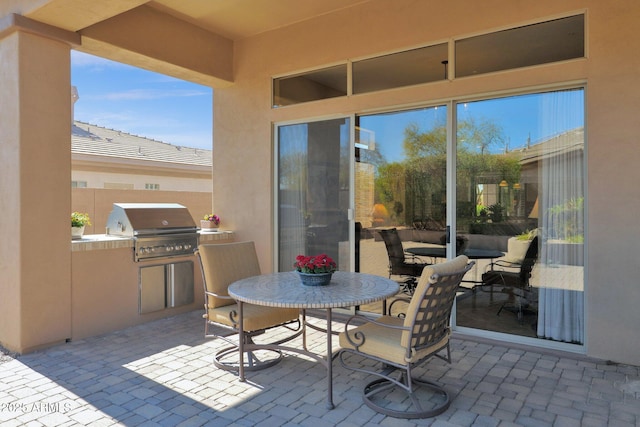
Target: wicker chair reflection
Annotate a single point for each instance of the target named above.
(401, 344)
(402, 263)
(514, 280)
(223, 264)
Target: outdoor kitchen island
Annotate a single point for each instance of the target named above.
(105, 293)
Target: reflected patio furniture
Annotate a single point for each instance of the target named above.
(401, 262)
(400, 344)
(471, 253)
(223, 264)
(514, 280)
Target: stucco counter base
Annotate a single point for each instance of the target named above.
(104, 284)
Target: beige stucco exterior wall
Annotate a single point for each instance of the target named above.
(243, 123)
(35, 286)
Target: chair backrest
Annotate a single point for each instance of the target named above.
(529, 260)
(395, 250)
(429, 311)
(223, 264)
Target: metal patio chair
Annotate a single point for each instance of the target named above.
(401, 344)
(223, 264)
(514, 280)
(401, 263)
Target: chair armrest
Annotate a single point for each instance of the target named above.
(393, 302)
(356, 337)
(416, 259)
(213, 294)
(502, 264)
(366, 320)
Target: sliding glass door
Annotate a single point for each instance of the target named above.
(313, 196)
(400, 182)
(520, 174)
(505, 175)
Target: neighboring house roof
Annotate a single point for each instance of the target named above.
(93, 140)
(563, 143)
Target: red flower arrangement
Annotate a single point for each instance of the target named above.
(315, 264)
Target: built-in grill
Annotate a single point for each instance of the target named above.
(159, 230)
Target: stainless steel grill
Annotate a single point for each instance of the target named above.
(159, 230)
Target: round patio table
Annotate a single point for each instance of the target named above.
(286, 291)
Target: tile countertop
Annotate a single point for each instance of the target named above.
(90, 242)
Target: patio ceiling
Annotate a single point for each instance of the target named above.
(232, 19)
(194, 39)
(153, 34)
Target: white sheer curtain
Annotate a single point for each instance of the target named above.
(559, 273)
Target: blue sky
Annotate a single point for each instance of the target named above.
(140, 102)
(167, 109)
(535, 116)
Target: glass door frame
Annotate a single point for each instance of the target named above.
(351, 193)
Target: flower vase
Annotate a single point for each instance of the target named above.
(208, 225)
(316, 279)
(77, 232)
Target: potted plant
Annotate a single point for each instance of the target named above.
(210, 222)
(315, 270)
(78, 222)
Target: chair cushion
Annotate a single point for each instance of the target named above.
(384, 342)
(256, 317)
(516, 250)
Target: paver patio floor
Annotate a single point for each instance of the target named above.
(161, 374)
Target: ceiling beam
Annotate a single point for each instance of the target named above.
(74, 15)
(14, 22)
(149, 39)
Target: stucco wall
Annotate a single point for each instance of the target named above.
(98, 203)
(138, 182)
(105, 292)
(243, 114)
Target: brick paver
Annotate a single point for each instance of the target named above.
(162, 374)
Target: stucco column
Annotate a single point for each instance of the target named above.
(35, 188)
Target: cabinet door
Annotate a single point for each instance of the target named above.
(179, 284)
(151, 289)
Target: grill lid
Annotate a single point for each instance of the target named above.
(136, 219)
